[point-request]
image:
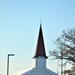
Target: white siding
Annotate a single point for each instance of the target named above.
(40, 62)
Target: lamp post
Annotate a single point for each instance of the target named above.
(8, 62)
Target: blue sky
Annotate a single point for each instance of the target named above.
(19, 26)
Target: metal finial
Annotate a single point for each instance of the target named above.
(40, 23)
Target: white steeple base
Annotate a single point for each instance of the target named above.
(40, 62)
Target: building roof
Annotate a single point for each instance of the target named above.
(37, 71)
(40, 48)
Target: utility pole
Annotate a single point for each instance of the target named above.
(62, 63)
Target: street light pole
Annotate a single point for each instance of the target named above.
(8, 65)
(8, 62)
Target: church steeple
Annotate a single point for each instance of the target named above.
(40, 48)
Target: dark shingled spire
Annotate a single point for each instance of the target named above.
(40, 48)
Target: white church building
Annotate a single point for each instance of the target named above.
(40, 59)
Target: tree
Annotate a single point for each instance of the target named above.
(71, 71)
(65, 46)
(65, 49)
